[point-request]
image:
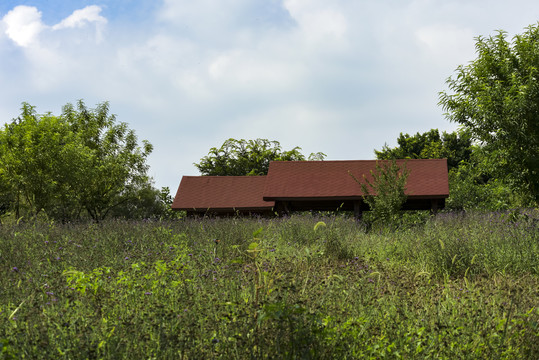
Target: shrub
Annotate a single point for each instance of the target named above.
(385, 193)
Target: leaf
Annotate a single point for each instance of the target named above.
(319, 225)
(257, 232)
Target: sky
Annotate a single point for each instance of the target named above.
(343, 77)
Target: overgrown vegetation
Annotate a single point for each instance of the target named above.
(460, 286)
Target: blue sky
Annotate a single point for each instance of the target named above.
(343, 77)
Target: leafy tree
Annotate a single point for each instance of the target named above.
(33, 157)
(469, 189)
(496, 97)
(472, 180)
(6, 196)
(455, 147)
(148, 203)
(248, 157)
(79, 162)
(114, 166)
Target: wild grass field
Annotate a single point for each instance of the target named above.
(457, 286)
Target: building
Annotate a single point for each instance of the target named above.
(222, 195)
(309, 185)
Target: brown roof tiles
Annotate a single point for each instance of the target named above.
(331, 179)
(300, 181)
(221, 192)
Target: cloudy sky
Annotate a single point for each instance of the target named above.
(342, 77)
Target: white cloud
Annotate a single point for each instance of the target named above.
(318, 21)
(79, 18)
(251, 70)
(23, 25)
(446, 43)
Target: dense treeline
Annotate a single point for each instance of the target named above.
(82, 164)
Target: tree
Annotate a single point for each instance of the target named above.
(472, 180)
(456, 147)
(114, 165)
(80, 161)
(34, 152)
(470, 187)
(496, 98)
(248, 157)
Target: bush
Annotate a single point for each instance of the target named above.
(385, 194)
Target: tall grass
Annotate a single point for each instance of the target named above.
(458, 286)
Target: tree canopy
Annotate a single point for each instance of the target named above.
(472, 180)
(82, 163)
(455, 147)
(496, 98)
(248, 157)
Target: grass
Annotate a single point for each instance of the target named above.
(305, 287)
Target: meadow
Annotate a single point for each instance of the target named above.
(454, 286)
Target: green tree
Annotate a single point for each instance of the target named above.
(79, 162)
(472, 180)
(456, 147)
(496, 97)
(34, 154)
(114, 166)
(6, 195)
(248, 157)
(470, 188)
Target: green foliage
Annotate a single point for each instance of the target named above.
(248, 157)
(80, 164)
(456, 147)
(458, 287)
(33, 158)
(470, 189)
(496, 97)
(474, 179)
(385, 194)
(115, 165)
(147, 202)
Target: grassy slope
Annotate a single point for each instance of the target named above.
(456, 287)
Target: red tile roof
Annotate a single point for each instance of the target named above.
(221, 193)
(287, 180)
